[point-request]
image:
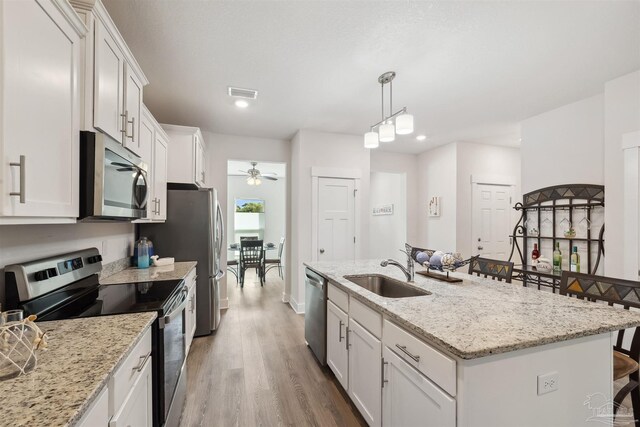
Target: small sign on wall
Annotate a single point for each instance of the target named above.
(434, 206)
(383, 210)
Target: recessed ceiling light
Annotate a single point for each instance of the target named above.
(241, 103)
(421, 137)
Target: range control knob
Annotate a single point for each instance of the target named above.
(45, 274)
(94, 259)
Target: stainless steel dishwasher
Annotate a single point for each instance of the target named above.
(315, 318)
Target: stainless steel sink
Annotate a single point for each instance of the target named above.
(386, 286)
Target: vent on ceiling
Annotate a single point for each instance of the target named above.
(238, 92)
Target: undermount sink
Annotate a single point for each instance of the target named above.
(386, 286)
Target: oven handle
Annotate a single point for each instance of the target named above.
(178, 310)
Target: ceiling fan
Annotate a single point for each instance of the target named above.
(254, 175)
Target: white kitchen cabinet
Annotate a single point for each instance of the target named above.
(410, 399)
(337, 353)
(98, 412)
(137, 409)
(39, 137)
(187, 157)
(160, 157)
(112, 80)
(365, 379)
(190, 312)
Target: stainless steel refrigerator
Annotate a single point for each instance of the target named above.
(194, 231)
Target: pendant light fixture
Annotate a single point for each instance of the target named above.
(400, 122)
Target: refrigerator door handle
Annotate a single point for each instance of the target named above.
(220, 275)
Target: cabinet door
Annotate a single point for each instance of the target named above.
(160, 178)
(410, 399)
(190, 321)
(108, 115)
(132, 113)
(365, 375)
(98, 412)
(147, 138)
(199, 161)
(137, 409)
(337, 354)
(39, 135)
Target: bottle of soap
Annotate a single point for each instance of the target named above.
(143, 253)
(557, 259)
(575, 260)
(535, 254)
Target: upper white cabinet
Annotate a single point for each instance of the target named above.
(113, 80)
(154, 146)
(187, 157)
(40, 114)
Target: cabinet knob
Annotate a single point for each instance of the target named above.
(321, 251)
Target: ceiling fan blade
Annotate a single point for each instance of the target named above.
(269, 174)
(244, 172)
(270, 178)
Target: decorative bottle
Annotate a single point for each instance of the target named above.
(575, 260)
(557, 259)
(535, 254)
(143, 253)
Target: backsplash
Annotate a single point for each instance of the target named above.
(114, 267)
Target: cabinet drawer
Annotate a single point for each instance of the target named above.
(435, 365)
(125, 377)
(339, 297)
(370, 319)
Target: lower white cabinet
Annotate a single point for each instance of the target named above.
(337, 353)
(98, 413)
(410, 399)
(365, 377)
(137, 407)
(190, 311)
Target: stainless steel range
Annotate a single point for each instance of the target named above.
(67, 286)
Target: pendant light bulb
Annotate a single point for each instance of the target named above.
(387, 132)
(371, 140)
(404, 124)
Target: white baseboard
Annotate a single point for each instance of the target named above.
(285, 297)
(224, 303)
(298, 308)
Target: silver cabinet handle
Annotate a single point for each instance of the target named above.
(159, 206)
(125, 120)
(347, 340)
(23, 179)
(321, 251)
(142, 363)
(340, 337)
(133, 128)
(382, 371)
(480, 248)
(403, 348)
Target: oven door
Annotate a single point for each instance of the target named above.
(172, 352)
(115, 180)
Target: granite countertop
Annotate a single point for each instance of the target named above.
(479, 317)
(177, 271)
(82, 356)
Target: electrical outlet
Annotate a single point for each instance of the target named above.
(548, 383)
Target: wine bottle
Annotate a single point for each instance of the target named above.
(535, 253)
(557, 259)
(575, 260)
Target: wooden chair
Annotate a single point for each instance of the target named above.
(251, 256)
(232, 267)
(243, 238)
(625, 294)
(493, 268)
(272, 263)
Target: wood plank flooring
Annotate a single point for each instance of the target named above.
(256, 370)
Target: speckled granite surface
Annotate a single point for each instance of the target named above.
(82, 356)
(479, 317)
(177, 271)
(115, 267)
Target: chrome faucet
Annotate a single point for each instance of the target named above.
(409, 270)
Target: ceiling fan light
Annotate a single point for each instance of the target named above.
(258, 181)
(371, 140)
(387, 132)
(404, 124)
(251, 181)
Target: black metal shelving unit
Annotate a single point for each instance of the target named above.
(571, 198)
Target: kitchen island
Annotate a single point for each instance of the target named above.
(72, 374)
(487, 352)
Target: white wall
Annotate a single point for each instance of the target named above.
(564, 146)
(387, 233)
(321, 149)
(19, 243)
(274, 194)
(499, 164)
(222, 148)
(437, 177)
(382, 161)
(621, 115)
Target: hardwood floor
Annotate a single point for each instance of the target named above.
(256, 370)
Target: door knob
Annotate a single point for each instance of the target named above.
(321, 251)
(480, 248)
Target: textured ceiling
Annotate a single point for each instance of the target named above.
(466, 70)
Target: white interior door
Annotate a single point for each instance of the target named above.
(491, 221)
(336, 219)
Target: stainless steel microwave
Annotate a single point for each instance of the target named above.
(113, 180)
